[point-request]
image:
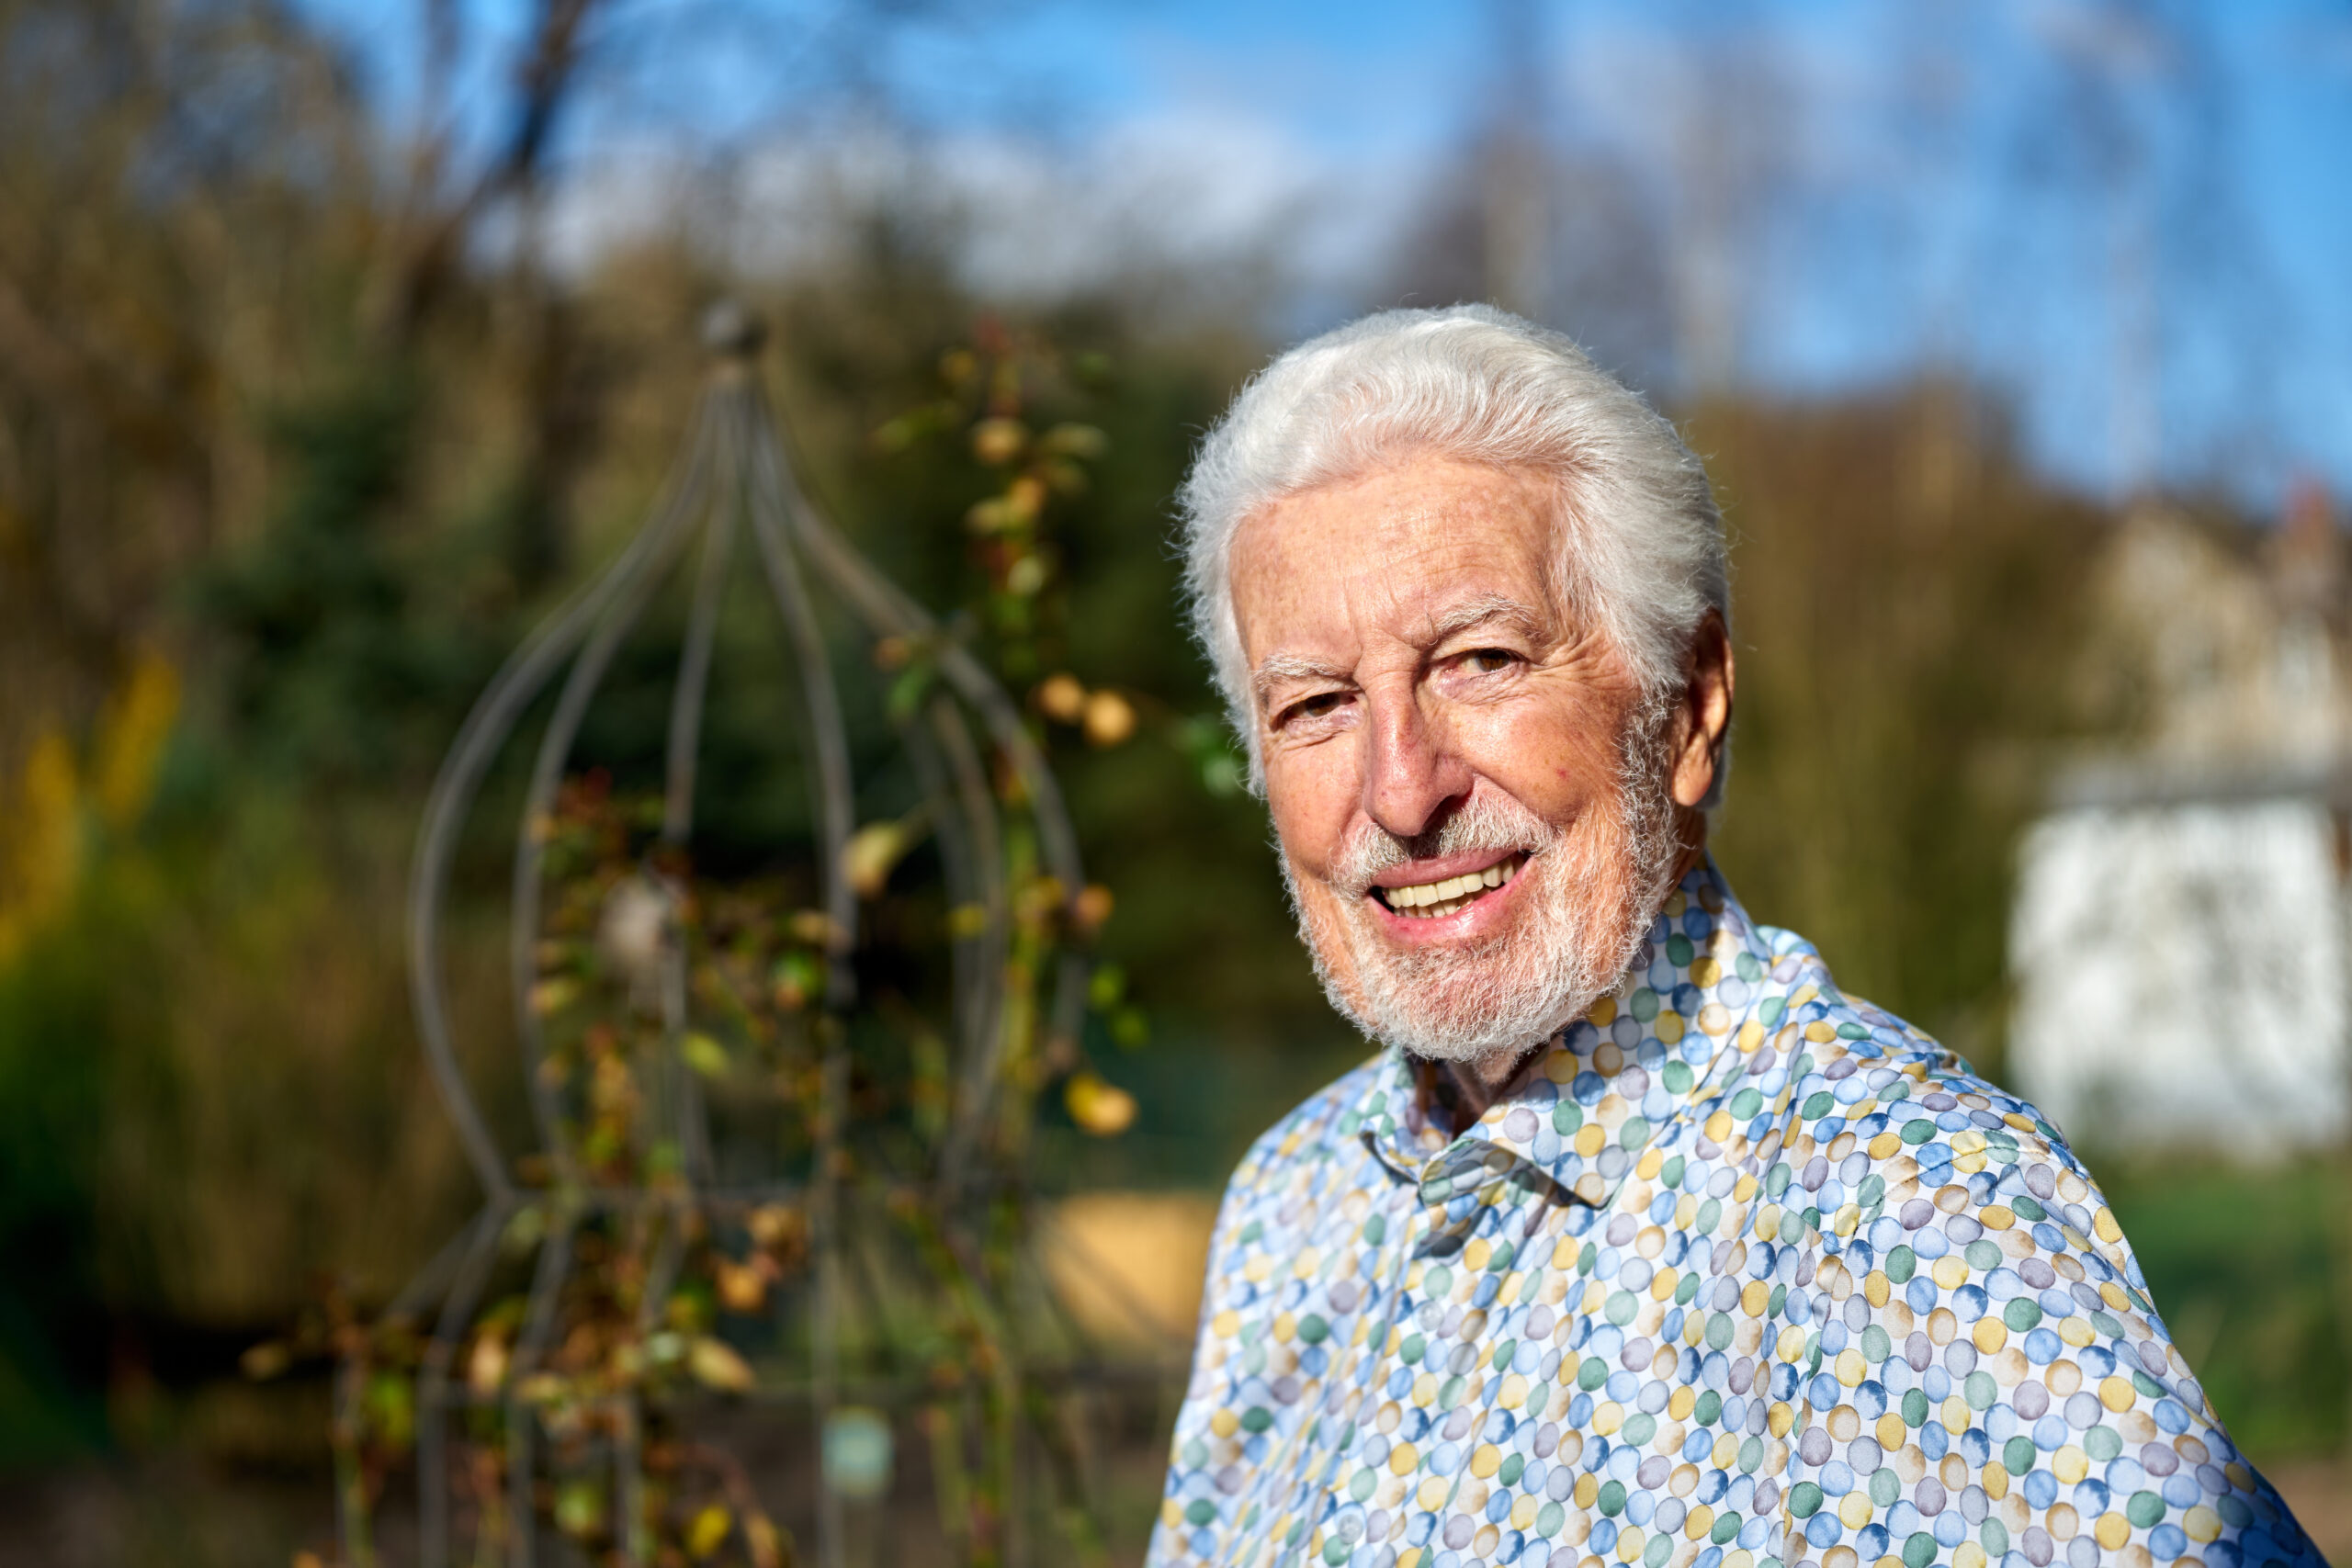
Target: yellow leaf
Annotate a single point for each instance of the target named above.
(40, 838)
(1102, 1108)
(741, 1287)
(486, 1368)
(872, 851)
(704, 1054)
(989, 517)
(540, 1388)
(131, 733)
(716, 1364)
(1077, 440)
(1061, 698)
(709, 1532)
(551, 995)
(777, 1225)
(580, 1509)
(816, 929)
(1026, 497)
(1110, 718)
(765, 1541)
(265, 1359)
(997, 441)
(1025, 577)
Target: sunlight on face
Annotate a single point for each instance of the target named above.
(1472, 804)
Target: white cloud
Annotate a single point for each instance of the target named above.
(1203, 200)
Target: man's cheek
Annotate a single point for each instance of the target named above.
(1291, 811)
(1315, 855)
(1554, 749)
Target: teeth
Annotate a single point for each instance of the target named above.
(1434, 900)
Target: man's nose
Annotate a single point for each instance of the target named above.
(1413, 769)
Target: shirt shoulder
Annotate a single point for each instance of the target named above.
(1880, 1135)
(1979, 1323)
(1882, 1132)
(1298, 1175)
(1285, 1170)
(1308, 1134)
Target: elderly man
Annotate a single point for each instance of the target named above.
(1641, 1242)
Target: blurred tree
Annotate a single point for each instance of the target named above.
(1905, 597)
(222, 468)
(160, 177)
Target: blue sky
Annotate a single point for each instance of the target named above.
(2133, 218)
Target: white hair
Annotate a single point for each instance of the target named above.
(1640, 541)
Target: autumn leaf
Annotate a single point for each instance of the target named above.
(716, 1364)
(1110, 718)
(767, 1541)
(1061, 698)
(704, 1056)
(486, 1368)
(709, 1532)
(267, 1359)
(872, 851)
(1100, 1108)
(741, 1287)
(998, 441)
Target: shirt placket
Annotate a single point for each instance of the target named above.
(1561, 1141)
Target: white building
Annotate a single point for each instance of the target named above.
(2180, 941)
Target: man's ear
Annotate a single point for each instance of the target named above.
(1703, 719)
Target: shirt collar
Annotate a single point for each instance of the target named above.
(1615, 1090)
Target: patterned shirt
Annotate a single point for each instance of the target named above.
(1752, 1275)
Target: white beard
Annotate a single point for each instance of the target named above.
(1587, 907)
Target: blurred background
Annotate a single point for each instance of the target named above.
(338, 340)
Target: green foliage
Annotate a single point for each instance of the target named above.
(54, 1075)
(349, 635)
(2248, 1268)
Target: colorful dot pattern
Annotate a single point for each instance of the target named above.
(1753, 1276)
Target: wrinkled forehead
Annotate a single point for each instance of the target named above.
(1411, 551)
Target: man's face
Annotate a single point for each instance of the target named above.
(1474, 845)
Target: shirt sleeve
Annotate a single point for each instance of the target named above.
(1206, 1451)
(1991, 1385)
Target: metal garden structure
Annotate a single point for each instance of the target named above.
(624, 1213)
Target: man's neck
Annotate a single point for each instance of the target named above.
(1690, 832)
(1469, 1089)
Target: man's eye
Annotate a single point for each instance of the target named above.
(1320, 705)
(1487, 660)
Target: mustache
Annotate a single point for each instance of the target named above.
(1485, 821)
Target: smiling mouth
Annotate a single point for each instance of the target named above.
(1434, 900)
